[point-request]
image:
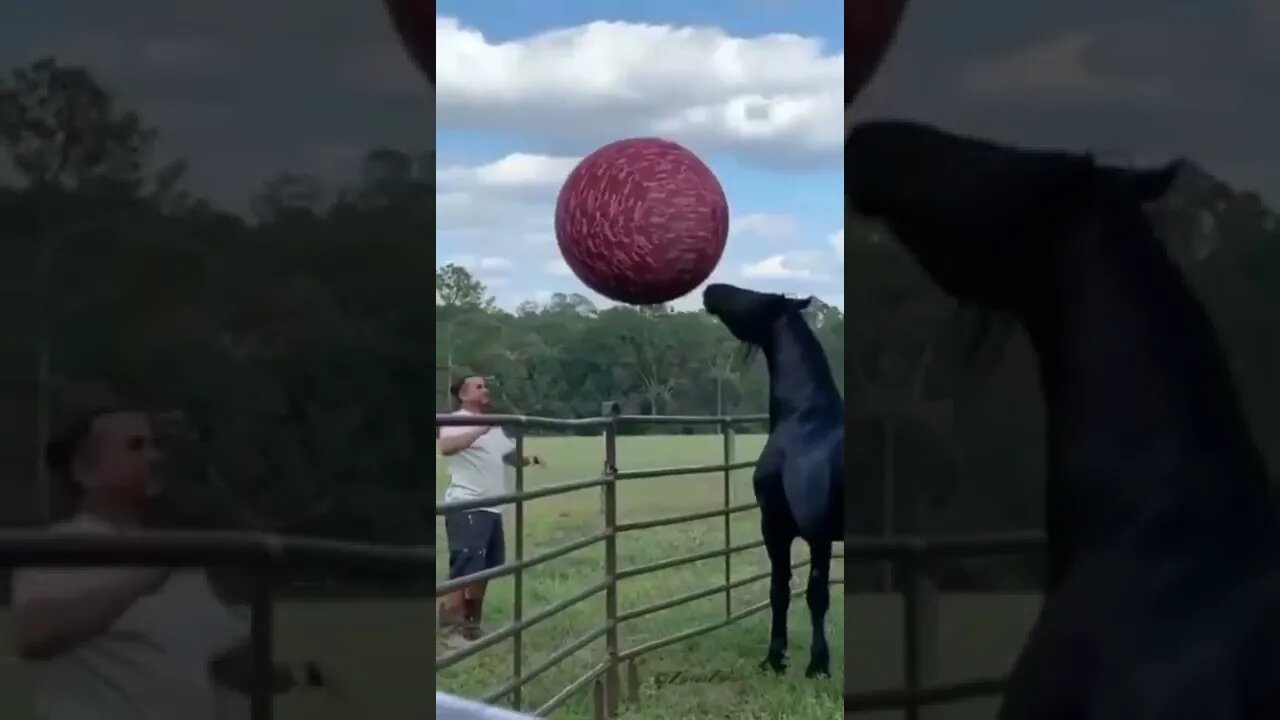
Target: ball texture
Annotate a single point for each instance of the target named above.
(415, 23)
(642, 221)
(869, 29)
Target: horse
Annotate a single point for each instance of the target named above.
(1161, 592)
(799, 477)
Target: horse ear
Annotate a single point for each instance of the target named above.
(1151, 185)
(801, 303)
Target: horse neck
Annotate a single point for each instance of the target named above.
(799, 376)
(1148, 444)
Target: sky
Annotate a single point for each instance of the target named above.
(526, 89)
(244, 90)
(1136, 81)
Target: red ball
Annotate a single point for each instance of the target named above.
(869, 29)
(415, 22)
(642, 221)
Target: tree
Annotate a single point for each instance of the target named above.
(456, 289)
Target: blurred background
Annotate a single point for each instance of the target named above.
(954, 438)
(221, 214)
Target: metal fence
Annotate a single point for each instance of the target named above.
(917, 559)
(265, 554)
(914, 555)
(605, 677)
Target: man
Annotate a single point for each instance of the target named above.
(477, 458)
(127, 643)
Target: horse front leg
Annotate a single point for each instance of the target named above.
(818, 596)
(779, 548)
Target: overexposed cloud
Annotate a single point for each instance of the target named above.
(777, 97)
(799, 265)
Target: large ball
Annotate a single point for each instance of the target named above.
(642, 221)
(415, 22)
(869, 29)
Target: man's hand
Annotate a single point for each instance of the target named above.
(234, 670)
(314, 674)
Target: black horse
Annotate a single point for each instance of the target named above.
(799, 478)
(1161, 601)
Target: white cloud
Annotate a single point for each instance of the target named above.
(799, 265)
(777, 97)
(514, 173)
(836, 241)
(769, 226)
(558, 267)
(484, 265)
(482, 209)
(512, 197)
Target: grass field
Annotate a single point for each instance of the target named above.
(979, 634)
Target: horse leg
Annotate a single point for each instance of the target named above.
(778, 544)
(818, 597)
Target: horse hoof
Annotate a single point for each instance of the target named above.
(777, 666)
(816, 671)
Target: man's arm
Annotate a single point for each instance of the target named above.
(455, 439)
(234, 670)
(46, 627)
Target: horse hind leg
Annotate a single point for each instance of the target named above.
(818, 597)
(778, 545)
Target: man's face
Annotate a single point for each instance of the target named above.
(120, 457)
(474, 392)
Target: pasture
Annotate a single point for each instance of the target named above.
(714, 675)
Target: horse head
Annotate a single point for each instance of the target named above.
(989, 223)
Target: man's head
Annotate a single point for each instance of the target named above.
(471, 392)
(108, 454)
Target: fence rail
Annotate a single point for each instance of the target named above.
(263, 553)
(913, 555)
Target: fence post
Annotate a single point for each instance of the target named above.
(920, 628)
(517, 608)
(727, 433)
(612, 684)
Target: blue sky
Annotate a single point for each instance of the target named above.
(525, 89)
